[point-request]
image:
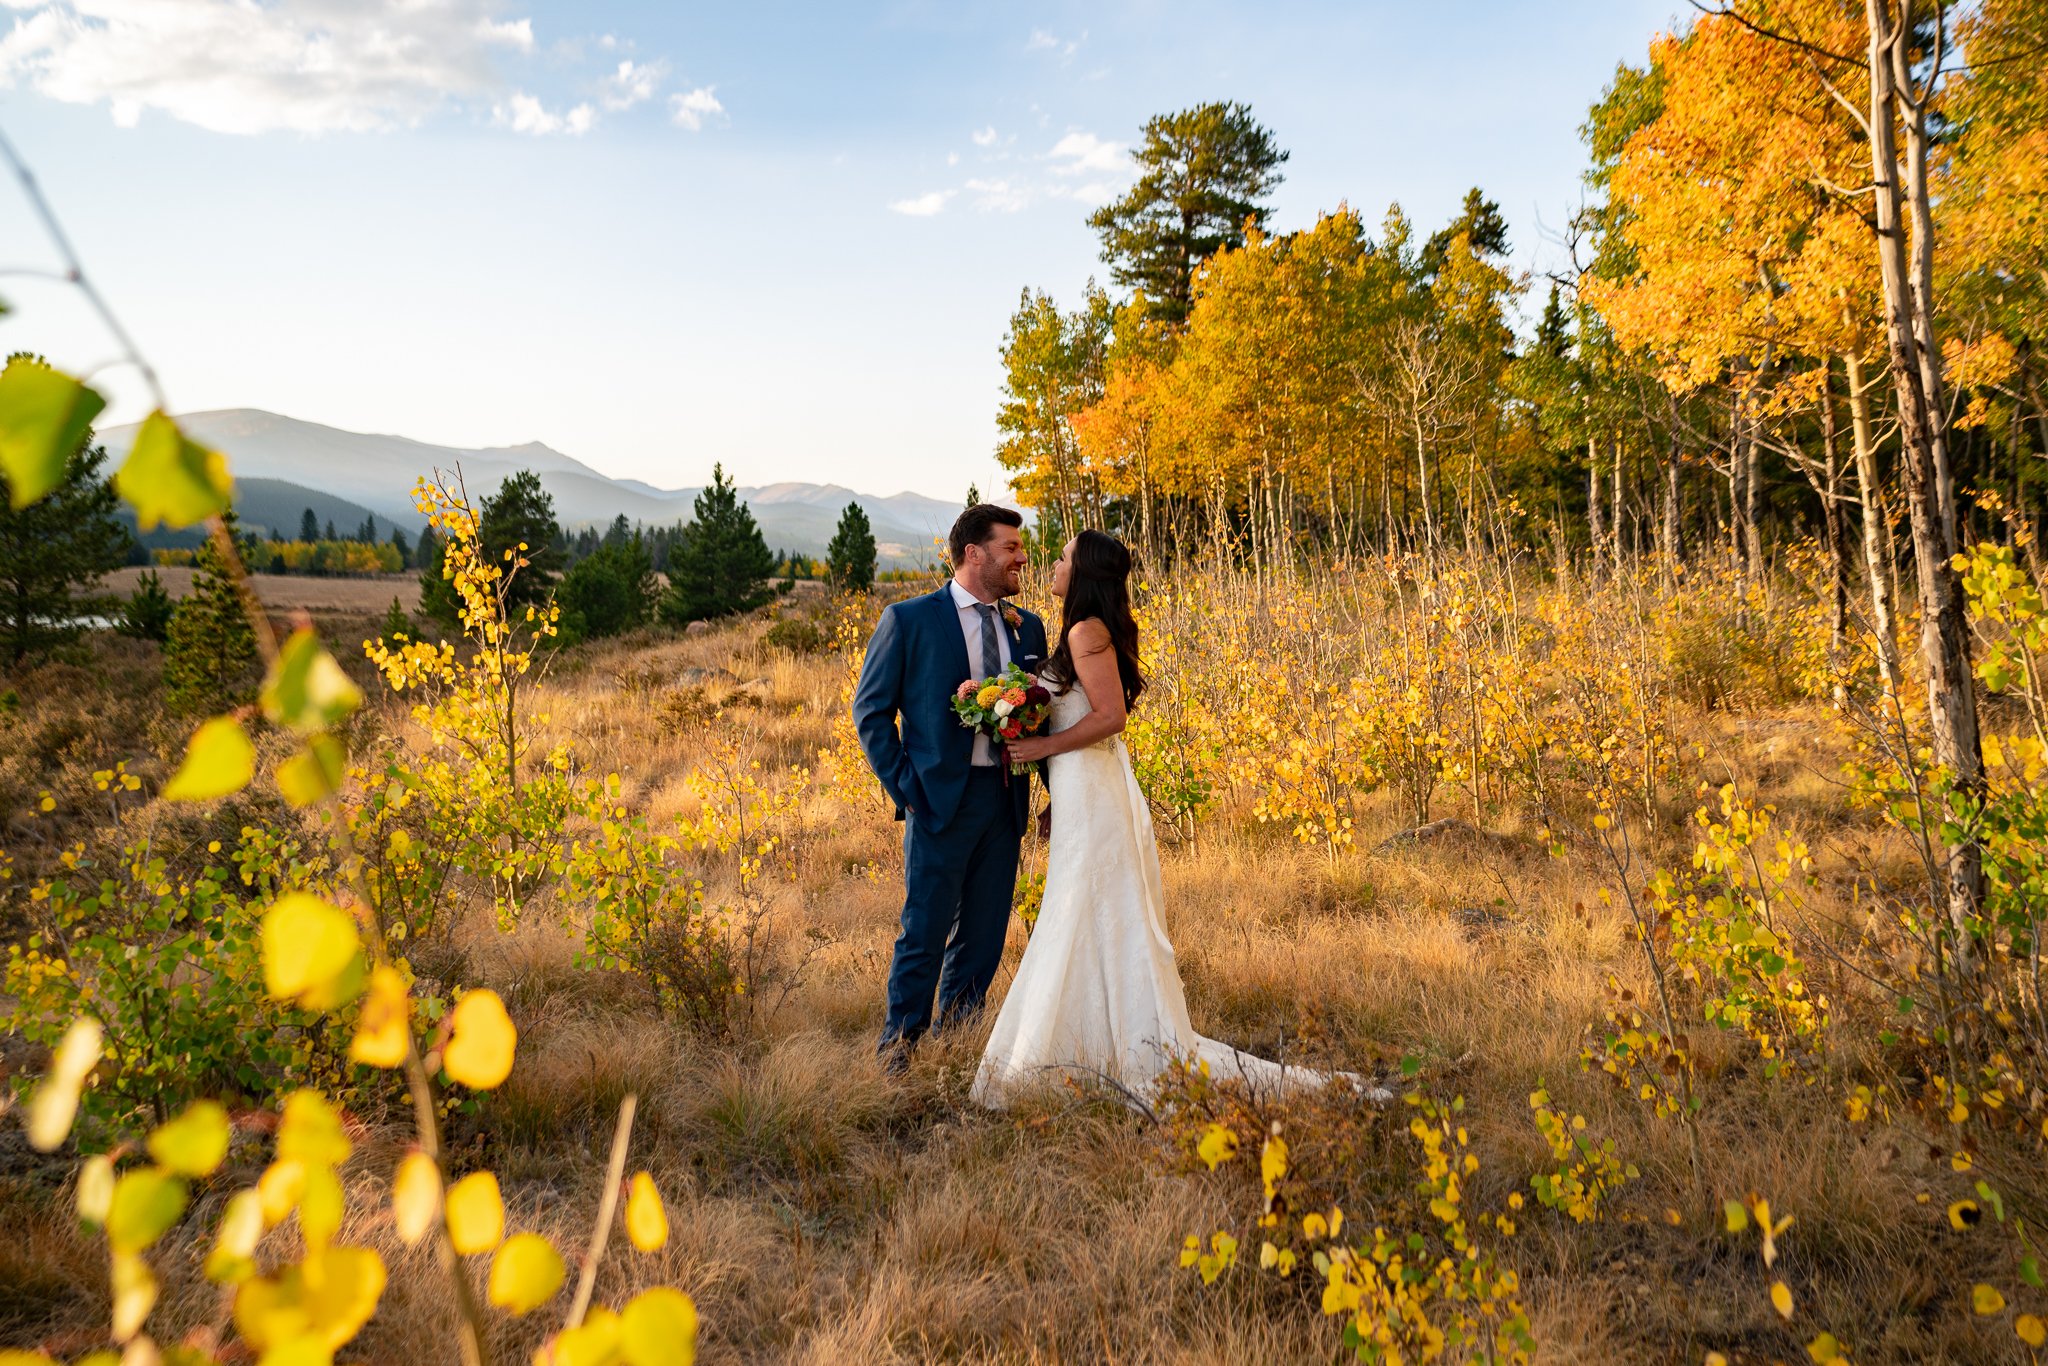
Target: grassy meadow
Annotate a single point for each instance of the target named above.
(1444, 927)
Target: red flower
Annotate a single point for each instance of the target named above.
(1011, 730)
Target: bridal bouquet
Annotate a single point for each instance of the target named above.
(1004, 708)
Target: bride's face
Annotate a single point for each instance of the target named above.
(1061, 569)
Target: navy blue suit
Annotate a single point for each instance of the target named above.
(964, 827)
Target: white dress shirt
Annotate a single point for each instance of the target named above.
(970, 626)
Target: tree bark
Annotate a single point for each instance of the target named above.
(1596, 525)
(1876, 563)
(1907, 272)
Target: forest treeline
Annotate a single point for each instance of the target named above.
(1713, 368)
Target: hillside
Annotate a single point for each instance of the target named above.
(374, 474)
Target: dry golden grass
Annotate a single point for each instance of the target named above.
(823, 1212)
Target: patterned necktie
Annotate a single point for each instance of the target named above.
(991, 655)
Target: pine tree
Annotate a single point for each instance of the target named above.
(397, 622)
(438, 599)
(210, 650)
(398, 544)
(309, 526)
(330, 536)
(850, 559)
(147, 613)
(1202, 173)
(720, 563)
(521, 512)
(51, 554)
(611, 590)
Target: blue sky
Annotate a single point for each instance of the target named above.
(655, 236)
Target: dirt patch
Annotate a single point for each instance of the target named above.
(292, 592)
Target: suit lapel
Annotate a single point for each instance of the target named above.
(948, 614)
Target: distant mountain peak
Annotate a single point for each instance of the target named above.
(377, 471)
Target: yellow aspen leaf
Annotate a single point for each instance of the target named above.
(306, 690)
(310, 1131)
(12, 1356)
(134, 1288)
(1826, 1351)
(1985, 1299)
(278, 1190)
(1964, 1214)
(646, 1220)
(322, 1301)
(310, 951)
(525, 1274)
(2031, 1330)
(232, 1258)
(95, 1188)
(321, 1207)
(480, 1042)
(146, 1202)
(594, 1342)
(476, 1214)
(195, 1142)
(1736, 1215)
(1781, 1299)
(44, 415)
(384, 1024)
(659, 1328)
(172, 479)
(415, 1197)
(1272, 1163)
(55, 1103)
(218, 760)
(1715, 1359)
(313, 774)
(1218, 1146)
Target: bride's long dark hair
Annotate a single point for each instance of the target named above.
(1099, 587)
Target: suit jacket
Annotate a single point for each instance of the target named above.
(903, 707)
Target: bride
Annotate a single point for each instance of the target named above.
(1097, 993)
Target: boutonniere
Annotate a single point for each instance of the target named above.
(1011, 616)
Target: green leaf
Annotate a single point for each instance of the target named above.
(306, 689)
(146, 1203)
(314, 773)
(44, 417)
(218, 760)
(172, 479)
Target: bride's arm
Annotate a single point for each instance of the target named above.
(1095, 669)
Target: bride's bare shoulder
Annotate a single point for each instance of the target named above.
(1088, 636)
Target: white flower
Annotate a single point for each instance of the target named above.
(1003, 708)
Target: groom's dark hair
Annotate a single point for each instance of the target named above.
(976, 525)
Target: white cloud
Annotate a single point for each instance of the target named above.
(952, 158)
(985, 137)
(523, 113)
(633, 83)
(1042, 41)
(998, 196)
(925, 205)
(232, 66)
(691, 108)
(1078, 153)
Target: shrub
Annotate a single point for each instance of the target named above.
(798, 635)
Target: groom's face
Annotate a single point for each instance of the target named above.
(997, 564)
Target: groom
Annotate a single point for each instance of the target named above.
(962, 822)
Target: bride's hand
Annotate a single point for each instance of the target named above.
(1028, 749)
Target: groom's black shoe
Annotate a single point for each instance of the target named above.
(895, 1056)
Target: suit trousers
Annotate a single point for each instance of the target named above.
(959, 883)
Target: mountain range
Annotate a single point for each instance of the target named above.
(283, 465)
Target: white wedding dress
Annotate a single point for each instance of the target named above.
(1097, 995)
